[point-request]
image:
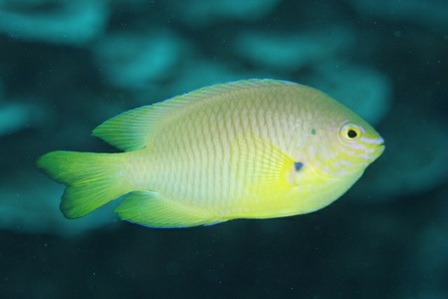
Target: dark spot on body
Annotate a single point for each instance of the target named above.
(298, 166)
(313, 131)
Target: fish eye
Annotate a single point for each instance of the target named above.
(350, 132)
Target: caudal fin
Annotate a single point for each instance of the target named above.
(92, 179)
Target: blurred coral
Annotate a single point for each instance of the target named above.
(136, 61)
(204, 12)
(53, 21)
(294, 50)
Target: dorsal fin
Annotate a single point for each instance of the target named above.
(132, 129)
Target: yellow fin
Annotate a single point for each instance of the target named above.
(133, 129)
(149, 208)
(91, 179)
(126, 131)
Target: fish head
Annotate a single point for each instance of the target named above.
(346, 148)
(337, 153)
(359, 145)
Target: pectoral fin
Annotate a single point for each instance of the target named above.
(267, 171)
(266, 166)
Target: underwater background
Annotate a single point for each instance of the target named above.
(66, 66)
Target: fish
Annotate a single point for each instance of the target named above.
(248, 149)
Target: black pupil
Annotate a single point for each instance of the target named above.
(352, 133)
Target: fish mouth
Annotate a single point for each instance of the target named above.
(380, 147)
(376, 149)
(379, 143)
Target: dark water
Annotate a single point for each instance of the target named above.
(66, 66)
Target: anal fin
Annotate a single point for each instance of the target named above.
(149, 208)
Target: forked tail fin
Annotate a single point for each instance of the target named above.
(92, 179)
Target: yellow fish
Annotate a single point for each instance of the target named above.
(246, 149)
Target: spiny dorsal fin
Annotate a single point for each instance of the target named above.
(133, 129)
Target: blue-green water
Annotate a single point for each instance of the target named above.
(66, 66)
